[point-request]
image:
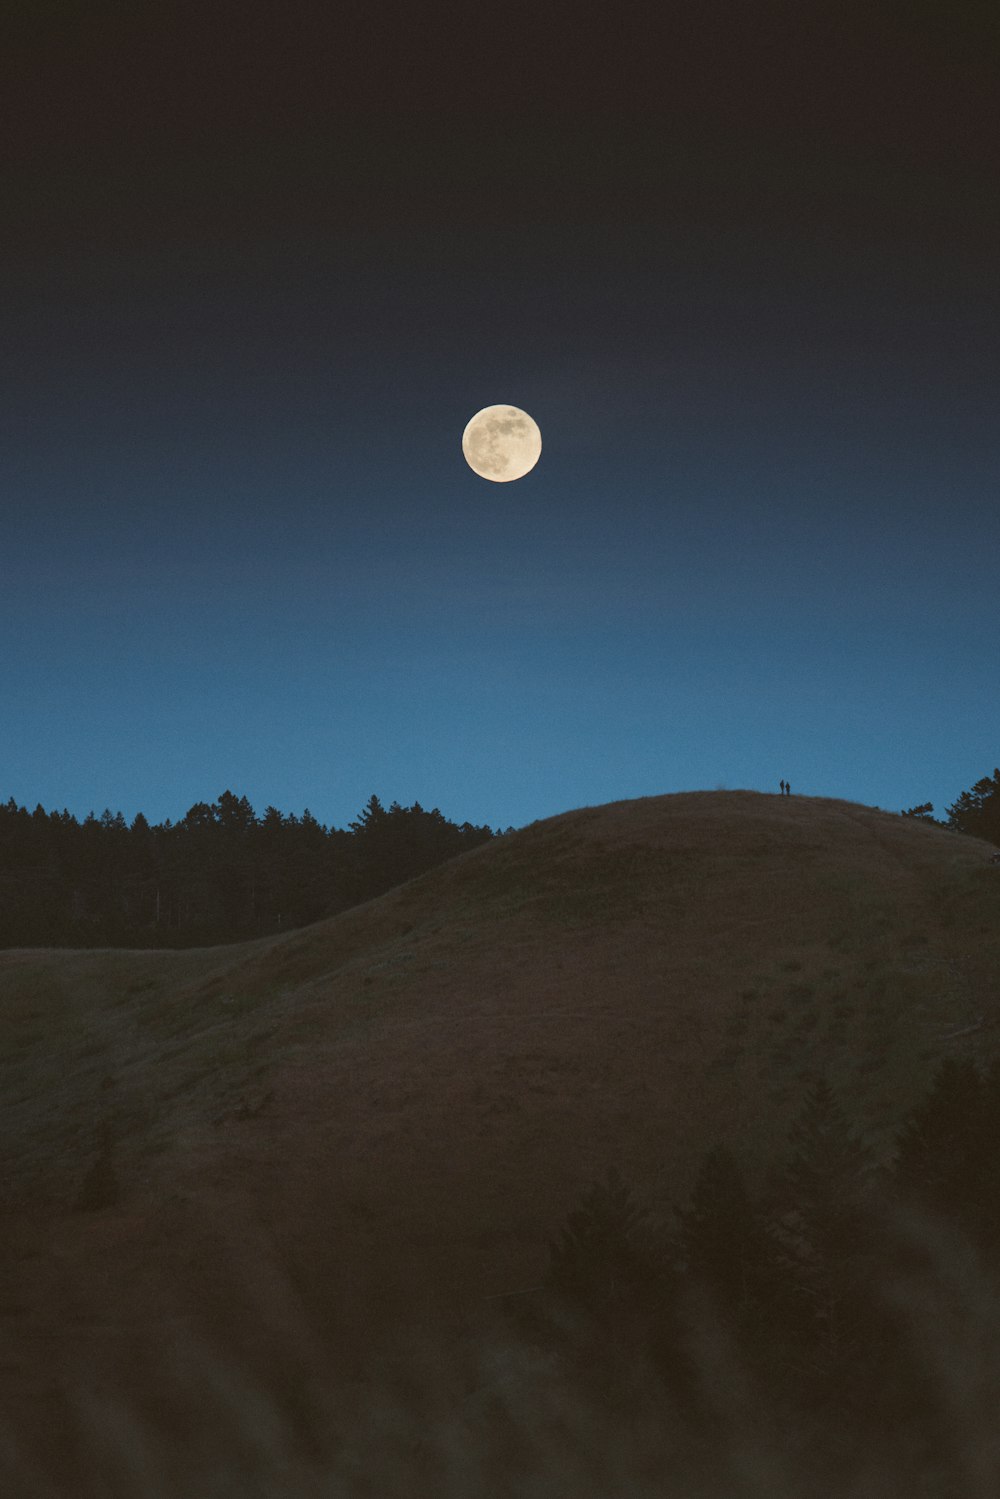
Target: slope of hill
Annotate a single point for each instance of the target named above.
(390, 1112)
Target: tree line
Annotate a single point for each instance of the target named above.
(220, 874)
(223, 874)
(976, 812)
(845, 1292)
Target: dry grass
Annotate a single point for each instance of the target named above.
(384, 1116)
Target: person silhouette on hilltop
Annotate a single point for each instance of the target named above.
(788, 789)
(782, 785)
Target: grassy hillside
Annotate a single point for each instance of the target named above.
(386, 1115)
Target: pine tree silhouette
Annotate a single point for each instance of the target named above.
(824, 1229)
(978, 811)
(946, 1150)
(722, 1238)
(602, 1253)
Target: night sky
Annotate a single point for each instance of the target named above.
(261, 264)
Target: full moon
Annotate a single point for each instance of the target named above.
(501, 443)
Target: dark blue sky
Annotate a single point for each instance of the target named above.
(259, 273)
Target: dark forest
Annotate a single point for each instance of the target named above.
(221, 874)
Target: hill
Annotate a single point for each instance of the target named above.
(385, 1116)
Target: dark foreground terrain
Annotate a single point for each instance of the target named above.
(279, 1217)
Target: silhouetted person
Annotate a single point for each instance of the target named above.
(782, 785)
(788, 789)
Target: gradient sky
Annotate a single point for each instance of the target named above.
(261, 265)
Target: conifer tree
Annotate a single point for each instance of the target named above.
(946, 1148)
(978, 811)
(727, 1254)
(722, 1239)
(603, 1246)
(827, 1243)
(613, 1288)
